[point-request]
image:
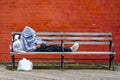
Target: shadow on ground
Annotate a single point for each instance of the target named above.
(57, 65)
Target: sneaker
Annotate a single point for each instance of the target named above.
(75, 46)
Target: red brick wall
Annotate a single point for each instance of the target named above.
(58, 16)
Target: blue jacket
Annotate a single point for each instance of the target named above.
(29, 39)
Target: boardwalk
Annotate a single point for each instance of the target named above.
(52, 74)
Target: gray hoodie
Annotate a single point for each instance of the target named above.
(29, 39)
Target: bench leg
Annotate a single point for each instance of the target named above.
(111, 62)
(62, 55)
(62, 62)
(13, 62)
(113, 65)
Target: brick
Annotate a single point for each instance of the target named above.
(58, 16)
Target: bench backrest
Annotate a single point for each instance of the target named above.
(82, 38)
(70, 37)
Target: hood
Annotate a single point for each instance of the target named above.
(29, 34)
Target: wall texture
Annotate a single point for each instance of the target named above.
(58, 16)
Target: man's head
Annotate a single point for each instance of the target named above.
(29, 34)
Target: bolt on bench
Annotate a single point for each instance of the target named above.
(68, 38)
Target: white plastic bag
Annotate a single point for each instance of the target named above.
(25, 65)
(17, 46)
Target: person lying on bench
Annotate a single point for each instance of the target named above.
(29, 42)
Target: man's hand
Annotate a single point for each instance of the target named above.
(37, 45)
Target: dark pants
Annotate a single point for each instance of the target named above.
(52, 48)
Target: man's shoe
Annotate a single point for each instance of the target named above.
(75, 46)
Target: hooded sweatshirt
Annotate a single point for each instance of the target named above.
(29, 39)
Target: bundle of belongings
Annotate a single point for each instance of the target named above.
(27, 41)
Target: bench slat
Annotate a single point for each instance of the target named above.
(78, 52)
(102, 43)
(72, 33)
(74, 38)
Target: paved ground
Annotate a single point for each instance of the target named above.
(53, 74)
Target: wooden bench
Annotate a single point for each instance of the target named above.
(68, 38)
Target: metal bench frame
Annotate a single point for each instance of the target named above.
(83, 38)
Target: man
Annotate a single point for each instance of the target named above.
(31, 43)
